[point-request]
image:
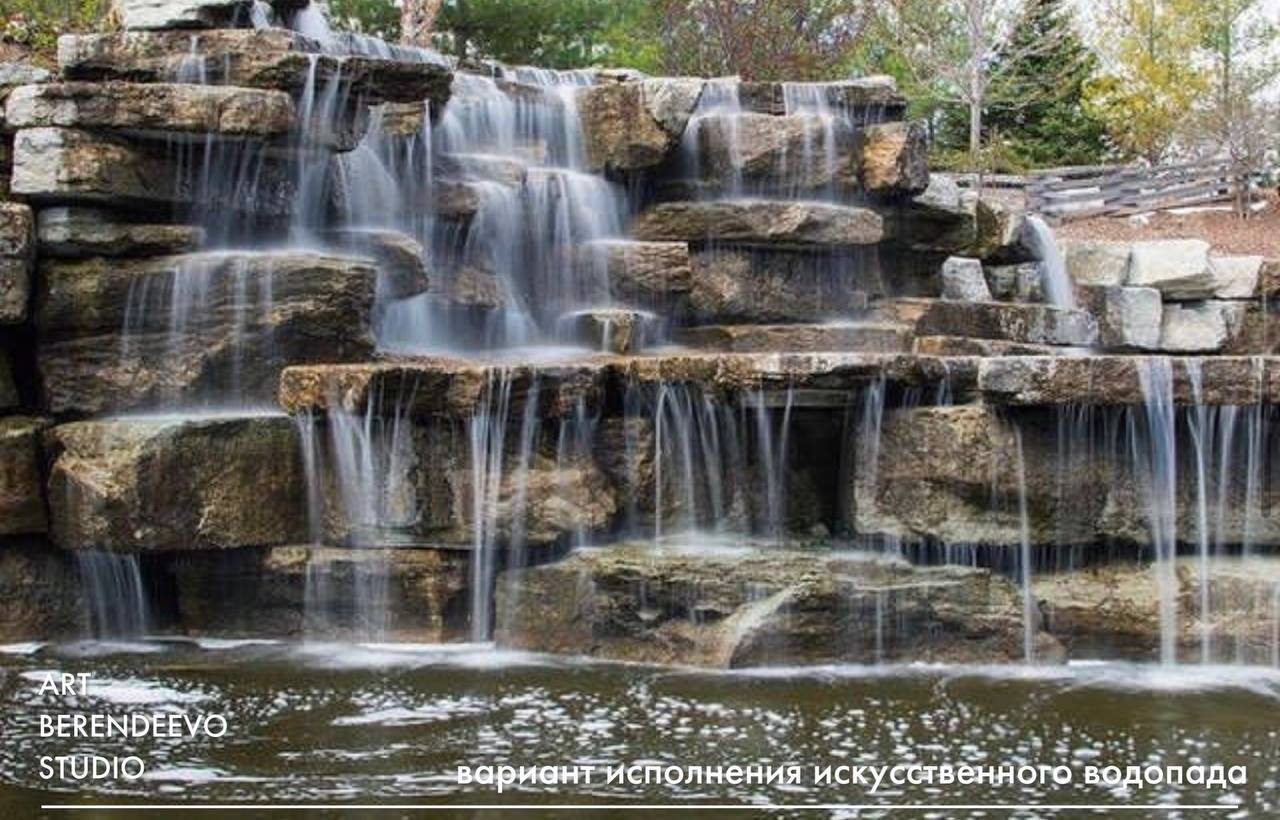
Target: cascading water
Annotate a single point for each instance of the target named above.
(115, 596)
(1058, 289)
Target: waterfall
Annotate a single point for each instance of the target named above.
(369, 462)
(1030, 617)
(1159, 459)
(115, 596)
(1058, 288)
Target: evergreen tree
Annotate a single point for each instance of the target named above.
(1037, 106)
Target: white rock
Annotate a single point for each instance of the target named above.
(964, 281)
(1178, 268)
(1091, 262)
(1237, 276)
(671, 101)
(166, 14)
(1129, 317)
(1201, 327)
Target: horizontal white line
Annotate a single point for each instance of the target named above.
(627, 807)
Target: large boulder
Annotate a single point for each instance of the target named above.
(22, 510)
(1030, 324)
(424, 492)
(152, 108)
(630, 126)
(1201, 327)
(175, 483)
(326, 593)
(1178, 268)
(70, 166)
(964, 281)
(1091, 262)
(400, 259)
(736, 608)
(160, 331)
(640, 273)
(17, 254)
(1128, 318)
(764, 286)
(1113, 611)
(761, 222)
(272, 58)
(798, 152)
(76, 232)
(1237, 277)
(893, 159)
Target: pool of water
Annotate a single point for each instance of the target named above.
(351, 725)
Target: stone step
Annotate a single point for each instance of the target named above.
(1118, 380)
(119, 334)
(53, 166)
(861, 337)
(256, 58)
(875, 98)
(805, 225)
(78, 232)
(457, 388)
(152, 109)
(756, 607)
(178, 482)
(1008, 321)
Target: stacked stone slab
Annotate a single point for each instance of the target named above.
(1206, 303)
(103, 228)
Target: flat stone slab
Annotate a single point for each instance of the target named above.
(732, 608)
(176, 483)
(152, 108)
(864, 337)
(80, 232)
(1117, 380)
(254, 58)
(455, 387)
(1025, 323)
(71, 166)
(761, 222)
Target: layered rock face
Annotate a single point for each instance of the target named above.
(670, 370)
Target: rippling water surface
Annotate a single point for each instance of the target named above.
(352, 724)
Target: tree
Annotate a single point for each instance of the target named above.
(417, 21)
(1151, 80)
(549, 33)
(1037, 97)
(379, 18)
(760, 39)
(951, 48)
(1239, 120)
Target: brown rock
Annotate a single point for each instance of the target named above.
(686, 606)
(754, 222)
(151, 108)
(175, 483)
(17, 253)
(893, 159)
(22, 510)
(113, 336)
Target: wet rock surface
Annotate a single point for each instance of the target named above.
(733, 607)
(176, 483)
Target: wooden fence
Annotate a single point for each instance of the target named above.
(1064, 194)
